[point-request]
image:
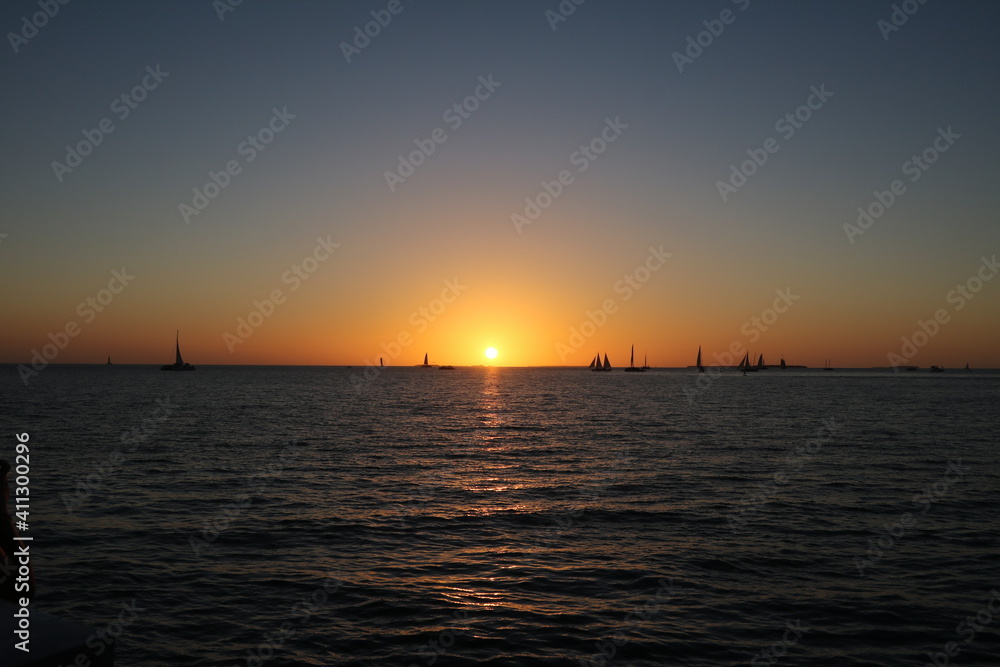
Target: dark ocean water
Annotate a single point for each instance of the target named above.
(280, 516)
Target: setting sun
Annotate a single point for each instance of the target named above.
(491, 353)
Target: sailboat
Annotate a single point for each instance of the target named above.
(632, 368)
(425, 364)
(967, 366)
(380, 362)
(783, 362)
(746, 365)
(760, 362)
(645, 366)
(179, 364)
(827, 366)
(109, 361)
(701, 369)
(596, 364)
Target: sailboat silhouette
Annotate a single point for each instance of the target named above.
(701, 369)
(596, 364)
(179, 364)
(632, 368)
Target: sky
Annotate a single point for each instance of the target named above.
(550, 179)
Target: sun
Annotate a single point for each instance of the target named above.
(491, 353)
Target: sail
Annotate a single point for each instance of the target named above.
(631, 358)
(425, 359)
(782, 362)
(760, 361)
(179, 361)
(698, 362)
(593, 362)
(607, 364)
(380, 362)
(746, 360)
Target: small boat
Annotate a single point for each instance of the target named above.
(827, 366)
(179, 364)
(632, 368)
(109, 361)
(760, 362)
(425, 364)
(596, 364)
(380, 362)
(967, 366)
(937, 369)
(645, 366)
(701, 369)
(746, 365)
(784, 365)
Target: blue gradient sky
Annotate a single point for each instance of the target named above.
(655, 185)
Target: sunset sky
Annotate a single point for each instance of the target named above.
(642, 200)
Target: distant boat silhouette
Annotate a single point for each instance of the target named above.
(178, 364)
(784, 365)
(937, 369)
(760, 361)
(425, 364)
(632, 368)
(645, 366)
(967, 366)
(109, 361)
(827, 366)
(596, 365)
(701, 369)
(746, 365)
(380, 362)
(446, 368)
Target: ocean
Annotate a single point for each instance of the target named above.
(503, 516)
